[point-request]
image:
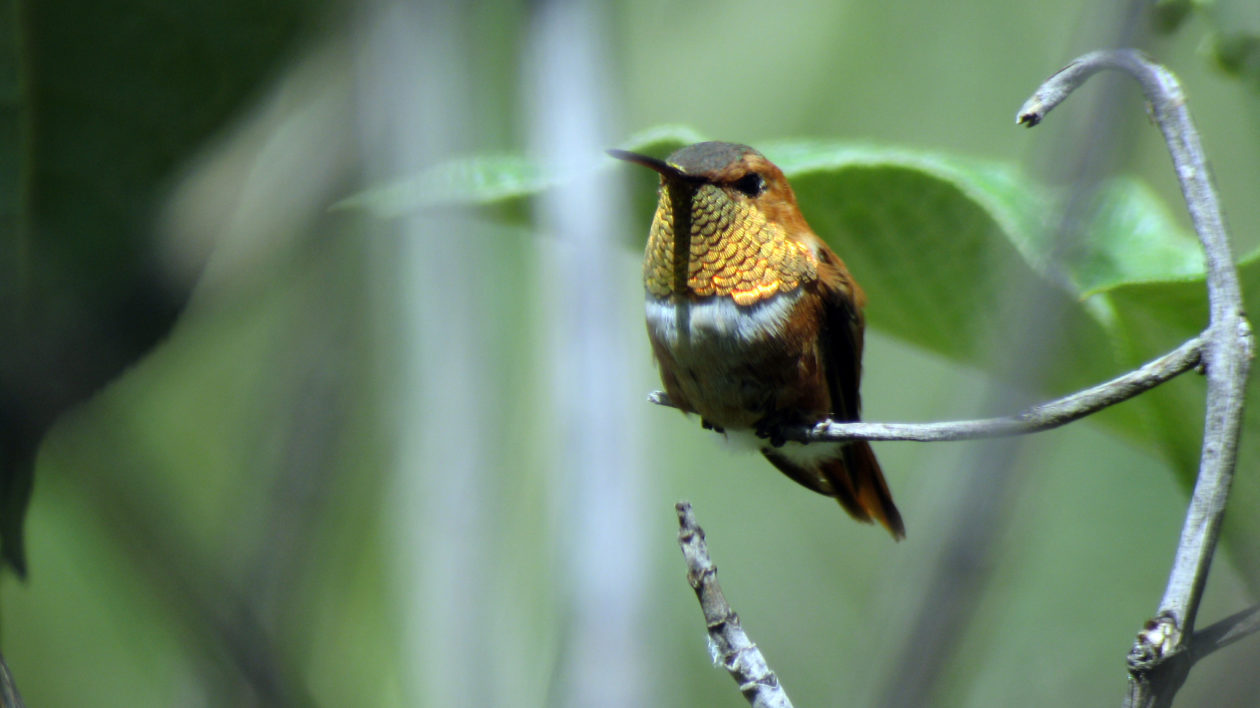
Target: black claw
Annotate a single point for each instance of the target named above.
(710, 426)
(771, 431)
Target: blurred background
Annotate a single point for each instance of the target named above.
(409, 461)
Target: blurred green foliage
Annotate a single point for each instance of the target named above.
(104, 104)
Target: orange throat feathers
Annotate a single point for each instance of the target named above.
(725, 250)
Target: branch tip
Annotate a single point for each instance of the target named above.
(1027, 117)
(729, 645)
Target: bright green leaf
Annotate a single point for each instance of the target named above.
(944, 246)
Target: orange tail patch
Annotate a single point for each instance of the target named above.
(854, 479)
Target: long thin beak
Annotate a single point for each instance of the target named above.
(661, 166)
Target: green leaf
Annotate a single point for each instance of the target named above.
(504, 181)
(946, 246)
(476, 180)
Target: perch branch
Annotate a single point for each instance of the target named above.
(1042, 416)
(727, 640)
(1227, 358)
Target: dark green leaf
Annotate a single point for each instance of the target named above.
(100, 104)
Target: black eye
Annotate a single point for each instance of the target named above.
(751, 184)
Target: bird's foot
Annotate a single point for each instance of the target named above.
(708, 425)
(771, 430)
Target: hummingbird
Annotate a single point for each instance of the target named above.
(756, 324)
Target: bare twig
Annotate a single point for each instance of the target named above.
(1042, 416)
(730, 644)
(1155, 669)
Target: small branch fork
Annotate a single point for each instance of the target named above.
(1168, 646)
(1227, 359)
(728, 643)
